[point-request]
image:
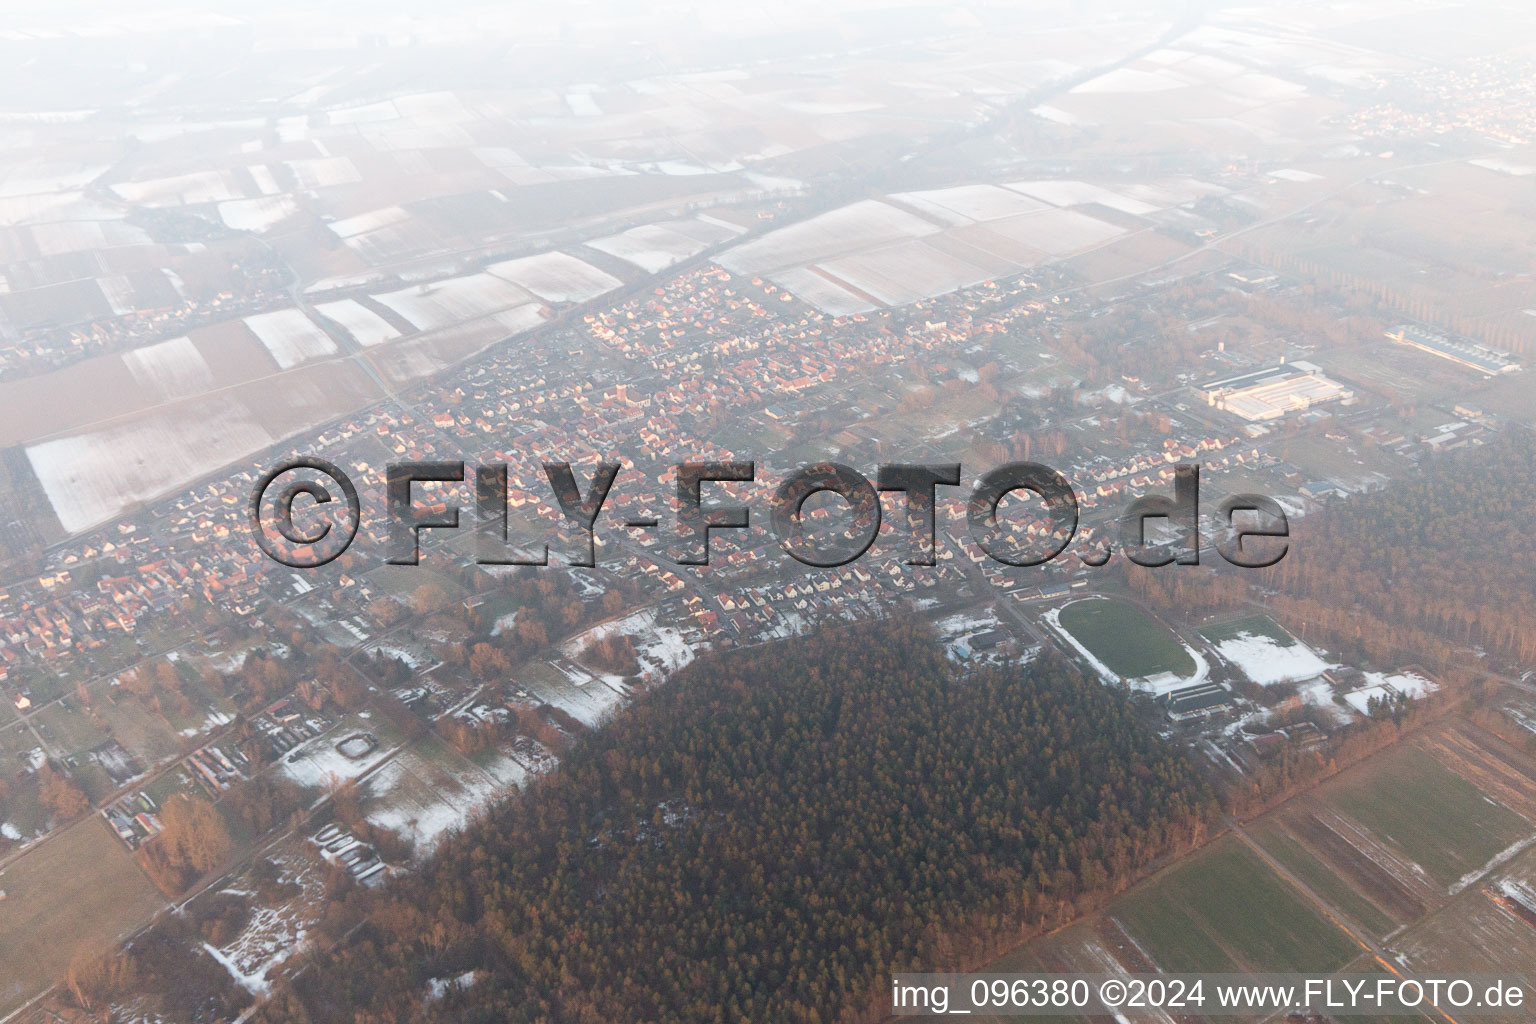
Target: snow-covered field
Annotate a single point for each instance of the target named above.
(862, 225)
(881, 250)
(318, 763)
(273, 934)
(1265, 661)
(257, 214)
(85, 235)
(1078, 193)
(421, 800)
(579, 692)
(365, 326)
(95, 476)
(655, 247)
(555, 277)
(905, 271)
(349, 227)
(967, 204)
(1292, 174)
(962, 623)
(1057, 232)
(429, 306)
(809, 285)
(321, 172)
(1383, 685)
(1130, 80)
(1504, 166)
(290, 336)
(197, 187)
(171, 369)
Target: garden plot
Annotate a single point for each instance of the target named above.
(655, 247)
(1125, 644)
(555, 277)
(274, 932)
(291, 337)
(441, 303)
(1267, 654)
(429, 790)
(366, 327)
(415, 654)
(170, 369)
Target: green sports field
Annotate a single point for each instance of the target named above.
(1129, 642)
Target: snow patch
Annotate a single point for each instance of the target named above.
(1264, 660)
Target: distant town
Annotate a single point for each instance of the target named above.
(967, 253)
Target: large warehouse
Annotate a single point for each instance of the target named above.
(1270, 393)
(1467, 353)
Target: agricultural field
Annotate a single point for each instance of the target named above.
(655, 247)
(1126, 643)
(1321, 878)
(1426, 850)
(79, 889)
(1489, 927)
(914, 245)
(1435, 817)
(1224, 909)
